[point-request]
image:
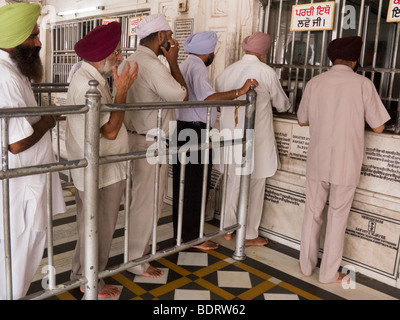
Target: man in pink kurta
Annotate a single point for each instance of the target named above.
(335, 106)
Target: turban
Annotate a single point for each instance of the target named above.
(259, 43)
(201, 43)
(17, 21)
(99, 43)
(348, 49)
(152, 24)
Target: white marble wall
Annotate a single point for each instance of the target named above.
(373, 232)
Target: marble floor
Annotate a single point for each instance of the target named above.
(268, 273)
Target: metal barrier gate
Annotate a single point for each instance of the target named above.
(91, 164)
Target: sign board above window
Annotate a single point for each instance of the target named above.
(313, 16)
(394, 11)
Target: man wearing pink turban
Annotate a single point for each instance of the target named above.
(29, 145)
(266, 160)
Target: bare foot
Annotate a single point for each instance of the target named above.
(340, 279)
(257, 242)
(153, 272)
(228, 236)
(302, 272)
(107, 292)
(208, 245)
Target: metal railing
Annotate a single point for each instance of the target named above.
(91, 163)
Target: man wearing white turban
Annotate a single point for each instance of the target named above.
(29, 145)
(155, 84)
(201, 47)
(266, 160)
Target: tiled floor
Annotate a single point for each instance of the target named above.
(268, 273)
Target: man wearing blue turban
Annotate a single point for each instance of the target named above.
(201, 47)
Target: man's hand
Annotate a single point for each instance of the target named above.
(247, 85)
(172, 54)
(124, 81)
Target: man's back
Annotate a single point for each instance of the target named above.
(336, 104)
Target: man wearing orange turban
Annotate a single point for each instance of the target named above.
(29, 145)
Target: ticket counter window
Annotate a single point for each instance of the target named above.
(299, 56)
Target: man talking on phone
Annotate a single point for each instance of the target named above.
(155, 84)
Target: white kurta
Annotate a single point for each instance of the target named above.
(269, 94)
(265, 159)
(28, 199)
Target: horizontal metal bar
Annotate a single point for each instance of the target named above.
(51, 167)
(175, 105)
(133, 263)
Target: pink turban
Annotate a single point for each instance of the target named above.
(99, 43)
(259, 43)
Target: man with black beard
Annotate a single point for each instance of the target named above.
(100, 50)
(201, 47)
(29, 145)
(155, 84)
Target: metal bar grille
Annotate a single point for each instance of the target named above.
(299, 56)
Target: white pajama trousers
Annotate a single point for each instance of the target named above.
(26, 255)
(340, 201)
(255, 207)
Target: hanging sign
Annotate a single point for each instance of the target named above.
(133, 23)
(107, 21)
(394, 11)
(313, 16)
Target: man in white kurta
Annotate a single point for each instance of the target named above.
(28, 196)
(266, 161)
(335, 105)
(155, 84)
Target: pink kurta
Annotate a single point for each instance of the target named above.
(336, 104)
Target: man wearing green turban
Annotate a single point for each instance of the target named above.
(17, 22)
(29, 145)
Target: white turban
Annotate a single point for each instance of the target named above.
(152, 24)
(201, 43)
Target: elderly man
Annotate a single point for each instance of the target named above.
(266, 160)
(335, 105)
(29, 145)
(100, 50)
(201, 47)
(155, 84)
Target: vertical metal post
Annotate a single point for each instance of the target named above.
(157, 183)
(181, 195)
(50, 248)
(127, 209)
(205, 173)
(248, 148)
(6, 210)
(92, 147)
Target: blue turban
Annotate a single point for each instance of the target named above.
(201, 43)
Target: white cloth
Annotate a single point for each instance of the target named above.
(16, 92)
(152, 24)
(75, 134)
(270, 93)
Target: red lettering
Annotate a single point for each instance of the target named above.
(396, 2)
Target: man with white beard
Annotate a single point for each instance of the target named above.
(100, 50)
